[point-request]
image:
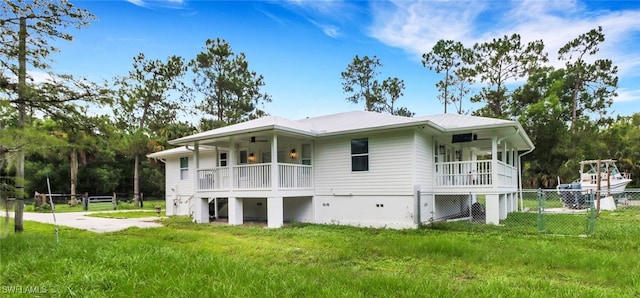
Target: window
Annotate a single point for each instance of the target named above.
(360, 154)
(184, 168)
(306, 154)
(266, 156)
(243, 157)
(223, 159)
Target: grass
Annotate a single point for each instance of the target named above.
(127, 214)
(183, 259)
(102, 206)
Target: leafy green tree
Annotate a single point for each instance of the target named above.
(231, 91)
(454, 60)
(498, 62)
(146, 105)
(361, 73)
(360, 78)
(594, 83)
(389, 92)
(542, 115)
(464, 78)
(26, 34)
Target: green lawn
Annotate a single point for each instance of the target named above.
(184, 259)
(127, 214)
(102, 206)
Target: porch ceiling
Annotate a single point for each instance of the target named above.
(255, 138)
(510, 135)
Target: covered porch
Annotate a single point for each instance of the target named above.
(255, 177)
(480, 163)
(268, 164)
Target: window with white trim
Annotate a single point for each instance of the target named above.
(360, 154)
(223, 159)
(306, 154)
(184, 168)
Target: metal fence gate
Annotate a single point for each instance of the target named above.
(566, 212)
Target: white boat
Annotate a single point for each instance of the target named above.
(612, 181)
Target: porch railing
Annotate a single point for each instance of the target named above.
(216, 178)
(474, 173)
(295, 176)
(507, 175)
(255, 177)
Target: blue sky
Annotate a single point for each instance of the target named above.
(301, 47)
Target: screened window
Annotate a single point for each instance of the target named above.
(306, 154)
(243, 157)
(266, 156)
(223, 159)
(360, 154)
(184, 168)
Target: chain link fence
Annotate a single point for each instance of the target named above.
(570, 212)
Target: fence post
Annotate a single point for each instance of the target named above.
(85, 201)
(470, 207)
(114, 201)
(591, 217)
(541, 204)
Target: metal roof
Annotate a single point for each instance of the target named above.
(357, 121)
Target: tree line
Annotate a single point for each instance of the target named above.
(50, 130)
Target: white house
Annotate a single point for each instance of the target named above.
(355, 168)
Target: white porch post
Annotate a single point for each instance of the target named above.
(215, 208)
(196, 165)
(201, 210)
(494, 162)
(200, 205)
(493, 199)
(235, 211)
(275, 177)
(504, 152)
(492, 209)
(274, 212)
(502, 204)
(275, 217)
(233, 161)
(196, 150)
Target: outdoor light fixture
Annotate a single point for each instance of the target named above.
(293, 154)
(442, 149)
(458, 155)
(251, 158)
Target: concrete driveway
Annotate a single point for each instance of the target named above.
(79, 220)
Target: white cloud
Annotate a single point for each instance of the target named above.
(626, 95)
(137, 2)
(326, 7)
(417, 26)
(158, 3)
(327, 15)
(330, 30)
(39, 76)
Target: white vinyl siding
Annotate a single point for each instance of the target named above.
(172, 167)
(389, 165)
(424, 161)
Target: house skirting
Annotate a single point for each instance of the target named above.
(396, 212)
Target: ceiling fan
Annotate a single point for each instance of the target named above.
(254, 139)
